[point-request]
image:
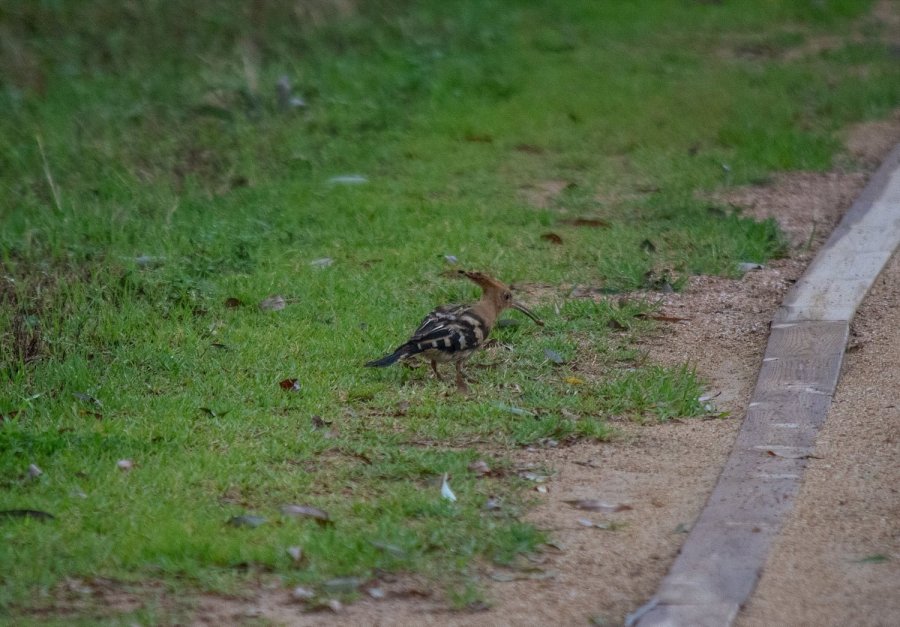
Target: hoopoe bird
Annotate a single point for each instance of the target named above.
(452, 333)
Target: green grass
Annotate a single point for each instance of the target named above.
(147, 174)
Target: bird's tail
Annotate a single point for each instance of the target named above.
(387, 360)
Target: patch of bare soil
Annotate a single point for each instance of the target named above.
(806, 205)
(97, 598)
(881, 24)
(870, 142)
(542, 193)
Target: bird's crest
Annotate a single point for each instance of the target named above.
(486, 282)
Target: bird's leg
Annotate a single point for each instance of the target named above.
(436, 373)
(460, 378)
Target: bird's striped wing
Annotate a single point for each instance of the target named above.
(450, 329)
(438, 319)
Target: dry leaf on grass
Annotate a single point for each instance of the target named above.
(10, 415)
(553, 238)
(401, 408)
(348, 179)
(34, 514)
(87, 398)
(296, 554)
(393, 549)
(553, 356)
(275, 302)
(212, 412)
(246, 520)
(446, 492)
(287, 100)
(615, 325)
(518, 411)
(319, 423)
(307, 511)
(597, 223)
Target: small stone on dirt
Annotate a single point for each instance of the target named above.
(302, 594)
(594, 505)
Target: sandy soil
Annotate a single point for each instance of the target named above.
(837, 561)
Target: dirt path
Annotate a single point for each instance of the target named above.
(837, 561)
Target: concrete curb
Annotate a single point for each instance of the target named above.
(722, 558)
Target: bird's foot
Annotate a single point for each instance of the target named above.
(461, 384)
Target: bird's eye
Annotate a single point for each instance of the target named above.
(507, 296)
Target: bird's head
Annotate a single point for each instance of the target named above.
(498, 294)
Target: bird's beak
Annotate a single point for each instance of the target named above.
(528, 313)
